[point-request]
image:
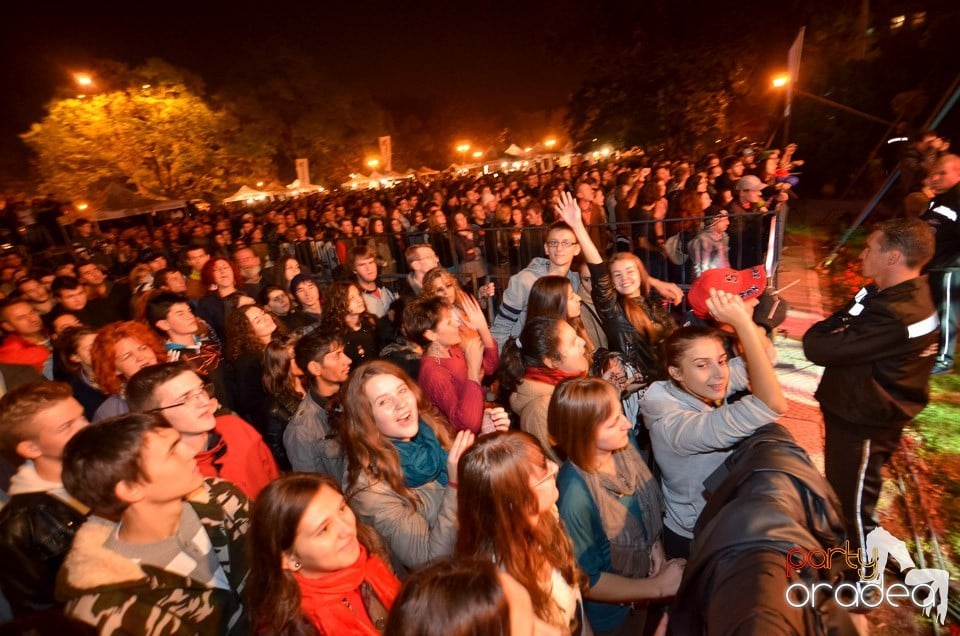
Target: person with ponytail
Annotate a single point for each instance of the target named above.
(611, 507)
(692, 425)
(545, 353)
(313, 569)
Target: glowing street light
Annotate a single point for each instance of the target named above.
(373, 163)
(550, 143)
(83, 79)
(463, 149)
(477, 154)
(82, 206)
(780, 81)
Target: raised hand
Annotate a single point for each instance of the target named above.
(568, 209)
(494, 419)
(461, 443)
(729, 308)
(472, 314)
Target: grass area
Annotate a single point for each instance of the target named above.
(937, 424)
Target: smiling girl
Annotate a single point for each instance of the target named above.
(692, 426)
(401, 461)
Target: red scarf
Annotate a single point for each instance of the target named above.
(553, 377)
(322, 599)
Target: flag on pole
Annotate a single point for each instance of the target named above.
(793, 68)
(303, 171)
(386, 153)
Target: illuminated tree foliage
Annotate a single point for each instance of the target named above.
(150, 128)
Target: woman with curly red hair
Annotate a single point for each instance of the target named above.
(120, 350)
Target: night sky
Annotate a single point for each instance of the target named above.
(516, 55)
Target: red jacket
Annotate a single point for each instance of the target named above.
(238, 455)
(16, 350)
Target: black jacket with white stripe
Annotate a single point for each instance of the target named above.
(878, 353)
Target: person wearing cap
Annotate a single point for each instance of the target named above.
(693, 423)
(710, 248)
(749, 229)
(878, 352)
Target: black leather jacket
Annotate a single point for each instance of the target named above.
(36, 532)
(622, 335)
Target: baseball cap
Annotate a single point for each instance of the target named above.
(750, 182)
(747, 283)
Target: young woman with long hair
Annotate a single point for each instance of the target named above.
(554, 296)
(283, 382)
(507, 513)
(610, 505)
(285, 270)
(692, 426)
(439, 283)
(379, 242)
(249, 329)
(464, 597)
(313, 569)
(74, 346)
(628, 300)
(452, 368)
(545, 353)
(401, 460)
(119, 351)
(346, 314)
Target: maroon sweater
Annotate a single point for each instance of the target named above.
(445, 384)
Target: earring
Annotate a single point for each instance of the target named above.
(296, 565)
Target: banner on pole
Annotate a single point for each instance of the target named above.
(303, 171)
(386, 153)
(793, 68)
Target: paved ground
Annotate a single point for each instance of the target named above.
(798, 376)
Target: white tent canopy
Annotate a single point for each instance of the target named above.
(246, 193)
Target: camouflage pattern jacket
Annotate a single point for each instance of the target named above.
(120, 596)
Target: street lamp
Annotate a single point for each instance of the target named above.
(477, 154)
(373, 163)
(550, 143)
(83, 79)
(463, 149)
(780, 81)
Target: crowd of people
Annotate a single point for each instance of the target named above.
(476, 406)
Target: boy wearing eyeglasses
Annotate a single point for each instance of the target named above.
(561, 247)
(225, 446)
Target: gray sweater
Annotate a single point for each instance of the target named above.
(691, 439)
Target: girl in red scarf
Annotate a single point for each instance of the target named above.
(313, 570)
(547, 352)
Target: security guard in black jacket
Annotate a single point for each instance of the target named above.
(943, 215)
(878, 353)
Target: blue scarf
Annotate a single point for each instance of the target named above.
(422, 458)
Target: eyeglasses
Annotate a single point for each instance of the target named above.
(204, 391)
(554, 244)
(552, 470)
